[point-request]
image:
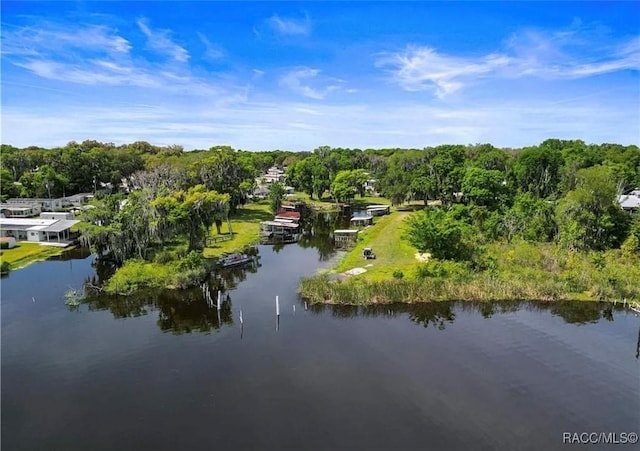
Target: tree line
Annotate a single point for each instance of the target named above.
(560, 190)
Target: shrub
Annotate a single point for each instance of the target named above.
(631, 247)
(189, 278)
(442, 234)
(136, 274)
(442, 269)
(163, 257)
(193, 260)
(398, 274)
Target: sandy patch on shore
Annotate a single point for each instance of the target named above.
(425, 257)
(354, 271)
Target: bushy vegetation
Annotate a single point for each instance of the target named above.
(518, 271)
(557, 198)
(136, 274)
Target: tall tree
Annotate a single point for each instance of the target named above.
(589, 217)
(276, 195)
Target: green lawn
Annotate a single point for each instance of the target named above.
(245, 229)
(25, 253)
(392, 252)
(327, 203)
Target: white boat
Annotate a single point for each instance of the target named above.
(234, 259)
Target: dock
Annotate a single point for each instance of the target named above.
(345, 237)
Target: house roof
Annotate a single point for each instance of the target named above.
(31, 200)
(289, 225)
(629, 201)
(61, 225)
(78, 196)
(19, 207)
(288, 215)
(43, 225)
(9, 222)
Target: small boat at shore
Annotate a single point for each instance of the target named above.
(234, 260)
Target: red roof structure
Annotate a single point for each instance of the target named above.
(283, 214)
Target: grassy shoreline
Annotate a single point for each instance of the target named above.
(167, 269)
(515, 271)
(244, 225)
(26, 253)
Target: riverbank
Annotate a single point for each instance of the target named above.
(502, 271)
(244, 225)
(171, 266)
(26, 253)
(328, 204)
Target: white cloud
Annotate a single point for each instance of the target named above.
(420, 68)
(303, 126)
(290, 26)
(298, 81)
(567, 54)
(160, 41)
(213, 51)
(29, 41)
(99, 56)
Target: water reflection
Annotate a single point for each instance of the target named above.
(183, 311)
(317, 232)
(440, 314)
(178, 312)
(76, 253)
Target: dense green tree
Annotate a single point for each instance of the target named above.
(226, 171)
(276, 195)
(589, 217)
(347, 183)
(530, 217)
(537, 170)
(7, 187)
(192, 212)
(422, 187)
(438, 232)
(484, 187)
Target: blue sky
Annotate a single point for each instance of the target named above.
(295, 75)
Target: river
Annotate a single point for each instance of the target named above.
(161, 372)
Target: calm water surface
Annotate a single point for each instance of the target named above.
(162, 372)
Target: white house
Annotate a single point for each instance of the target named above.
(45, 204)
(274, 174)
(20, 210)
(37, 230)
(57, 215)
(630, 202)
(77, 200)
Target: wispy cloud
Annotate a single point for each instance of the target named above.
(290, 26)
(261, 126)
(421, 68)
(161, 42)
(567, 54)
(574, 53)
(99, 56)
(299, 81)
(212, 52)
(29, 41)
